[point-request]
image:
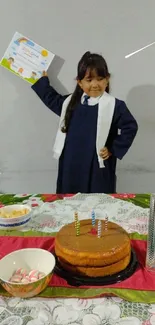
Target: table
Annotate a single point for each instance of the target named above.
(50, 212)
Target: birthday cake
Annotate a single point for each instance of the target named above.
(89, 253)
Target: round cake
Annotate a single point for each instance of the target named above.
(88, 255)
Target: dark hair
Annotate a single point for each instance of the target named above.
(91, 61)
(10, 58)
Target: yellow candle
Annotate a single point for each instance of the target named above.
(106, 223)
(78, 228)
(76, 219)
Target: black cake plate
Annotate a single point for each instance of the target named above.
(75, 280)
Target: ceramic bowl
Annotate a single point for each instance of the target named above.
(15, 222)
(29, 259)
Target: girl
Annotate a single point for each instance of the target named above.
(94, 130)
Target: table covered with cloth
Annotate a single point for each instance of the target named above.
(130, 302)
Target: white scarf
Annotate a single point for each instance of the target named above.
(105, 115)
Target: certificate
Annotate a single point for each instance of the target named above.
(26, 59)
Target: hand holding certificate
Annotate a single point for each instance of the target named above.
(26, 58)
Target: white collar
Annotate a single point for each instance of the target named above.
(91, 101)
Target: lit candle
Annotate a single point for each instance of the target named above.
(106, 223)
(99, 228)
(78, 228)
(93, 218)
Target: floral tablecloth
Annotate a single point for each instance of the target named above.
(50, 213)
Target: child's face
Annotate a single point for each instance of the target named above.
(92, 84)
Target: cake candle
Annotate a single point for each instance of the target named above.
(76, 218)
(78, 228)
(99, 228)
(93, 218)
(106, 223)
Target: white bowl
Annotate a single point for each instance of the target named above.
(29, 259)
(17, 222)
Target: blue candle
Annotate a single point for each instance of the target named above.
(93, 218)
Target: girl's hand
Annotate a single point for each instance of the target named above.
(44, 74)
(104, 153)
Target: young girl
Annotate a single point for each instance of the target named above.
(94, 130)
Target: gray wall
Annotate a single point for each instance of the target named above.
(69, 28)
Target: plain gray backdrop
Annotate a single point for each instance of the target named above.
(69, 28)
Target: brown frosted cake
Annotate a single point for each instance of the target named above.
(89, 255)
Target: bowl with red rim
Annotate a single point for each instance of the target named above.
(30, 260)
(15, 216)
